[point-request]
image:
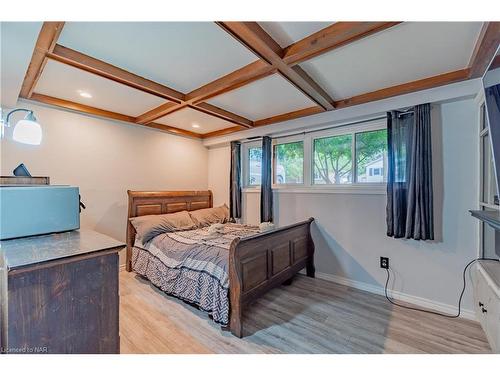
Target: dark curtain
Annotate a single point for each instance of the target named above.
(235, 181)
(266, 193)
(409, 180)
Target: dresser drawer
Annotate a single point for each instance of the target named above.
(487, 305)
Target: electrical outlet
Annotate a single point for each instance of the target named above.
(384, 262)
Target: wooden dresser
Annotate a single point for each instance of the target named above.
(59, 293)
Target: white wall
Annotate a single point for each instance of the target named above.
(105, 159)
(219, 165)
(350, 228)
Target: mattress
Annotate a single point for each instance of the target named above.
(192, 265)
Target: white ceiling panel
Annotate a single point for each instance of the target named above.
(65, 82)
(264, 98)
(195, 121)
(286, 33)
(404, 53)
(181, 55)
(17, 40)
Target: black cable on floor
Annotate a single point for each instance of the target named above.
(436, 312)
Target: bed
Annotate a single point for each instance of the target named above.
(254, 262)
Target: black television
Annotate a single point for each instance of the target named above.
(491, 83)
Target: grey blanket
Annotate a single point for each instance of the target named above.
(192, 265)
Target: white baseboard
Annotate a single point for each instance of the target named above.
(418, 301)
(121, 267)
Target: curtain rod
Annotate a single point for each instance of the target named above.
(253, 139)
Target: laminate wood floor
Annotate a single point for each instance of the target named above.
(309, 316)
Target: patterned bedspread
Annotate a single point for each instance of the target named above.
(192, 265)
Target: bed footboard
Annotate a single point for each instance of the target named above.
(264, 261)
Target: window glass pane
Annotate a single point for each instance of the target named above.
(371, 156)
(333, 160)
(289, 163)
(254, 165)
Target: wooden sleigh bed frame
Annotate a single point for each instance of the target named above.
(256, 264)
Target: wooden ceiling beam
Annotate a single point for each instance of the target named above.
(406, 88)
(172, 129)
(103, 69)
(177, 100)
(45, 99)
(158, 112)
(251, 35)
(169, 108)
(221, 132)
(223, 114)
(66, 104)
(485, 49)
(243, 76)
(495, 64)
(320, 42)
(289, 116)
(331, 37)
(47, 39)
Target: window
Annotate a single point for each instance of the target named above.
(333, 160)
(346, 159)
(254, 166)
(288, 162)
(371, 156)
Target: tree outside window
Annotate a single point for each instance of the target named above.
(371, 156)
(333, 160)
(289, 163)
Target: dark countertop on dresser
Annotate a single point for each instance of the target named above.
(27, 251)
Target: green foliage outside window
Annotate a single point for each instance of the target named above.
(289, 163)
(371, 150)
(333, 159)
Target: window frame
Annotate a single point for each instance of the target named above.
(376, 188)
(354, 186)
(245, 164)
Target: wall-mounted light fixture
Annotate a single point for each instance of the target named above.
(27, 130)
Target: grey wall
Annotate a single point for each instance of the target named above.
(350, 228)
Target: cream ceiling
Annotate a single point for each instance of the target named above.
(263, 98)
(286, 33)
(181, 55)
(65, 82)
(403, 53)
(195, 121)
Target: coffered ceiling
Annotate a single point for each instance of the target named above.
(204, 79)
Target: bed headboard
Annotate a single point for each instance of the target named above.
(142, 203)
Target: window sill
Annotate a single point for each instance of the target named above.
(362, 189)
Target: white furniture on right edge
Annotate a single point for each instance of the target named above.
(487, 300)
